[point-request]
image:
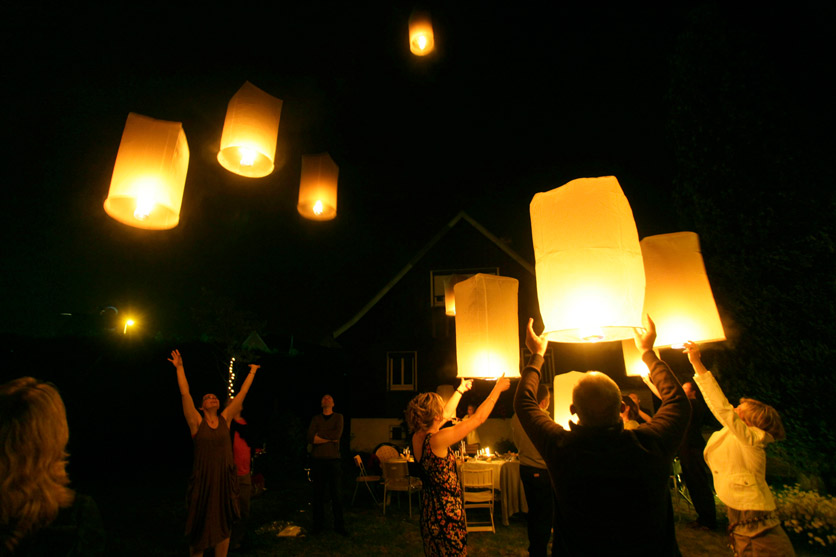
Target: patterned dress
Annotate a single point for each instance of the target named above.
(213, 488)
(442, 515)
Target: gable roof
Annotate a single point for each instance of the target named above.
(461, 216)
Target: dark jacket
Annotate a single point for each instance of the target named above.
(610, 485)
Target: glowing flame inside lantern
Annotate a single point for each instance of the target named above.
(318, 208)
(422, 42)
(145, 198)
(247, 156)
(490, 365)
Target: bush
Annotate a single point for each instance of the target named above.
(809, 515)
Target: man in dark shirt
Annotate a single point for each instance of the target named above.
(324, 436)
(597, 467)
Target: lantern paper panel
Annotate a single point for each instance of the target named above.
(318, 187)
(449, 293)
(633, 364)
(590, 275)
(487, 327)
(421, 38)
(678, 296)
(146, 190)
(251, 129)
(564, 384)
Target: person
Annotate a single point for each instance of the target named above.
(324, 435)
(597, 467)
(472, 439)
(443, 528)
(242, 457)
(536, 482)
(737, 458)
(39, 513)
(213, 488)
(644, 417)
(695, 473)
(630, 413)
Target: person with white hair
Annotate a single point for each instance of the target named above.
(597, 466)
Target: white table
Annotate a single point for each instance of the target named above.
(506, 480)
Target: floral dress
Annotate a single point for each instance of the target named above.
(442, 515)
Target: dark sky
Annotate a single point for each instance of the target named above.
(514, 101)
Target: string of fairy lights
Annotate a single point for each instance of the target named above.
(231, 381)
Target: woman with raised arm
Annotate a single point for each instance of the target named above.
(737, 458)
(213, 488)
(442, 515)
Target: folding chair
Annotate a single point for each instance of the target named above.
(477, 488)
(679, 490)
(396, 478)
(364, 478)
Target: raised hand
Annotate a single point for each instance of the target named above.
(645, 337)
(537, 344)
(176, 358)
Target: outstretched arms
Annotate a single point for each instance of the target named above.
(238, 401)
(446, 437)
(189, 411)
(450, 408)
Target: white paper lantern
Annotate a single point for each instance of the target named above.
(678, 296)
(146, 190)
(450, 294)
(318, 187)
(421, 37)
(634, 366)
(564, 384)
(487, 327)
(590, 275)
(251, 130)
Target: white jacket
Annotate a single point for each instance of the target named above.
(735, 454)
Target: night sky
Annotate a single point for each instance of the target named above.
(515, 100)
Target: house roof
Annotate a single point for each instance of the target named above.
(461, 216)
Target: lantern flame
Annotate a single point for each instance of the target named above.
(318, 208)
(247, 156)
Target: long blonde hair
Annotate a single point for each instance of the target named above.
(33, 459)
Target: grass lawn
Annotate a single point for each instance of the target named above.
(148, 520)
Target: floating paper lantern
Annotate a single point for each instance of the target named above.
(449, 293)
(564, 384)
(678, 296)
(633, 363)
(251, 128)
(421, 39)
(318, 187)
(590, 276)
(149, 176)
(487, 327)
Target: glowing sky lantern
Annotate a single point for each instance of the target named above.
(487, 327)
(563, 386)
(421, 38)
(678, 296)
(146, 190)
(318, 187)
(251, 129)
(450, 294)
(590, 276)
(633, 364)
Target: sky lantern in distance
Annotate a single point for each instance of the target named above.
(487, 327)
(146, 190)
(251, 129)
(421, 39)
(318, 187)
(564, 384)
(678, 296)
(590, 275)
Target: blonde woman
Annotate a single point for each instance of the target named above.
(39, 513)
(442, 518)
(737, 458)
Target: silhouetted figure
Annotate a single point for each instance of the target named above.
(324, 435)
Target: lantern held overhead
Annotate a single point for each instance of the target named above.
(318, 187)
(146, 190)
(590, 276)
(421, 38)
(251, 129)
(487, 327)
(678, 296)
(633, 364)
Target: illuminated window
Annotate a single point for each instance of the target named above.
(401, 370)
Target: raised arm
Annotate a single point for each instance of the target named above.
(237, 402)
(453, 403)
(189, 411)
(448, 436)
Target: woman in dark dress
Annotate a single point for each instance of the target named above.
(442, 516)
(213, 488)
